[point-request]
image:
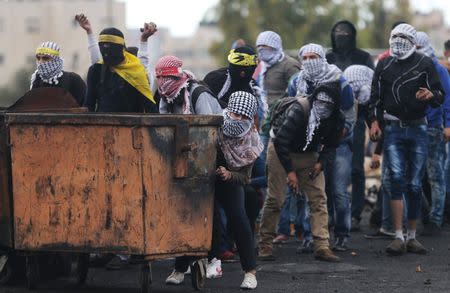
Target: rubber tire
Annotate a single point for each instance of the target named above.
(32, 271)
(198, 281)
(7, 273)
(145, 277)
(82, 268)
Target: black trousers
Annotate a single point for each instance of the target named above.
(232, 199)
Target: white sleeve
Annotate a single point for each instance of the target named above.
(143, 54)
(94, 49)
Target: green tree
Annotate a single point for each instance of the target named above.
(19, 85)
(303, 21)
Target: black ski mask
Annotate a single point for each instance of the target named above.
(112, 46)
(344, 37)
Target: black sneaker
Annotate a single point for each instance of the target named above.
(305, 247)
(341, 244)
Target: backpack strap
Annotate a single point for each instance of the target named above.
(304, 102)
(197, 92)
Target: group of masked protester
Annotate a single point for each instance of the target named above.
(293, 133)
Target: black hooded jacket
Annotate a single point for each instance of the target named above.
(351, 55)
(291, 136)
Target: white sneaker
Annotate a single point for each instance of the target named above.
(214, 269)
(175, 278)
(188, 271)
(249, 282)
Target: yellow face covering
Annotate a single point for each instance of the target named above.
(241, 59)
(132, 70)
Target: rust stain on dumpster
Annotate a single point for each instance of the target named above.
(96, 188)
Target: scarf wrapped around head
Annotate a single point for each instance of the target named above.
(424, 45)
(322, 108)
(360, 79)
(172, 79)
(403, 41)
(315, 71)
(52, 70)
(270, 56)
(239, 140)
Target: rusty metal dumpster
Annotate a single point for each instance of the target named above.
(129, 184)
(37, 100)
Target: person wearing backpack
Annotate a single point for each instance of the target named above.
(296, 139)
(50, 73)
(176, 89)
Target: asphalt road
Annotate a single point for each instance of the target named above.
(365, 268)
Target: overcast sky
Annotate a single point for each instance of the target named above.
(182, 16)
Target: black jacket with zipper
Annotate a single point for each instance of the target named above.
(395, 84)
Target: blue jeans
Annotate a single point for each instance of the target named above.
(358, 177)
(406, 151)
(285, 214)
(435, 172)
(340, 202)
(259, 176)
(447, 173)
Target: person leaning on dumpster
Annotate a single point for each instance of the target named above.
(179, 92)
(239, 146)
(50, 73)
(118, 83)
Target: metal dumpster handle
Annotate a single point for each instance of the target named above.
(182, 149)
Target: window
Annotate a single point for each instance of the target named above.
(32, 25)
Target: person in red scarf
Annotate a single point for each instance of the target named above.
(176, 89)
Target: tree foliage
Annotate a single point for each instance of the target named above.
(19, 85)
(303, 21)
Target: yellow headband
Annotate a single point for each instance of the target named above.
(111, 39)
(241, 59)
(46, 51)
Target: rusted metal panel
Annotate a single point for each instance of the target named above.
(179, 211)
(110, 182)
(76, 188)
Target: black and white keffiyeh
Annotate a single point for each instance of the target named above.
(49, 71)
(423, 42)
(360, 79)
(316, 71)
(242, 103)
(239, 140)
(403, 41)
(321, 109)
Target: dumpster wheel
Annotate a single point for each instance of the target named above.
(145, 277)
(82, 268)
(198, 274)
(32, 271)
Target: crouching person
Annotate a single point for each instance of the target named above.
(239, 146)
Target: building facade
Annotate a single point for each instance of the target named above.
(24, 24)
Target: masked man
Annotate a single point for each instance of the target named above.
(50, 73)
(119, 82)
(404, 85)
